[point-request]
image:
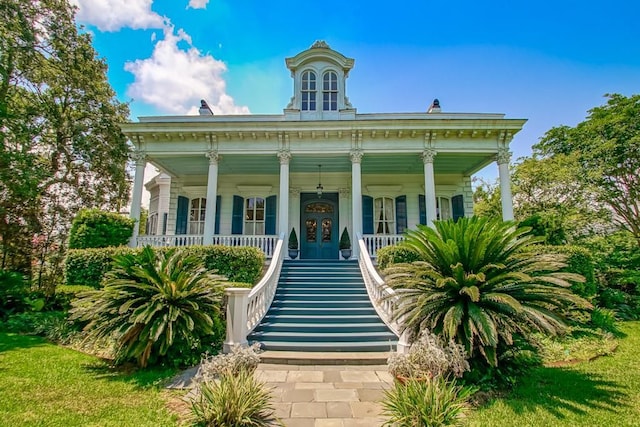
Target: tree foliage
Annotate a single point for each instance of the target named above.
(60, 145)
(606, 147)
(479, 283)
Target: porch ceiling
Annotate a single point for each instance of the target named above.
(404, 163)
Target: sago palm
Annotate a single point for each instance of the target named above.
(480, 282)
(151, 302)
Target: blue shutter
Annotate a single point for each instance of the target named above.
(217, 226)
(422, 206)
(367, 215)
(270, 216)
(457, 206)
(237, 218)
(401, 214)
(182, 215)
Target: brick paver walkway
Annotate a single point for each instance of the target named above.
(327, 395)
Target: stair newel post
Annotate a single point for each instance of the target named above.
(403, 343)
(237, 306)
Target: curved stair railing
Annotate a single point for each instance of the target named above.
(247, 307)
(382, 296)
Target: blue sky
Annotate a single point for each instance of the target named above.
(548, 62)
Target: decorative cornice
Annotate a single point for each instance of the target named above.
(139, 157)
(356, 156)
(503, 156)
(284, 156)
(213, 156)
(428, 155)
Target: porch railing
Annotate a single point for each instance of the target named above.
(382, 296)
(373, 242)
(247, 307)
(266, 243)
(174, 240)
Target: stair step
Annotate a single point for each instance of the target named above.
(321, 304)
(328, 318)
(311, 311)
(305, 327)
(369, 346)
(323, 336)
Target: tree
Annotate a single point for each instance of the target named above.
(60, 145)
(486, 199)
(479, 284)
(607, 148)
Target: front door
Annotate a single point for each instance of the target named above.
(319, 225)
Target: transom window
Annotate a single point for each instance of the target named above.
(330, 91)
(443, 208)
(308, 91)
(254, 216)
(384, 215)
(196, 216)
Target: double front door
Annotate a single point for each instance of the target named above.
(319, 226)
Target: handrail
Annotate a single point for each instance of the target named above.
(261, 296)
(382, 296)
(266, 243)
(247, 307)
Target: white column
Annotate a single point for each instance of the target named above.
(294, 209)
(345, 213)
(283, 210)
(212, 193)
(502, 158)
(429, 185)
(139, 157)
(356, 199)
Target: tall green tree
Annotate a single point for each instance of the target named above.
(61, 148)
(607, 149)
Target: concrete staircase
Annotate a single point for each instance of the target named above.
(322, 306)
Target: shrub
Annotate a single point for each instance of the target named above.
(605, 319)
(579, 261)
(428, 357)
(241, 358)
(433, 402)
(64, 295)
(480, 284)
(234, 400)
(239, 264)
(93, 228)
(345, 240)
(152, 303)
(396, 254)
(13, 293)
(53, 325)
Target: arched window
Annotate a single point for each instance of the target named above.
(384, 215)
(254, 216)
(330, 91)
(196, 215)
(308, 91)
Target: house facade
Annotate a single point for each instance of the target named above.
(318, 168)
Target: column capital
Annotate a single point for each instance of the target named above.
(284, 156)
(344, 192)
(356, 155)
(428, 155)
(294, 191)
(213, 156)
(503, 156)
(139, 157)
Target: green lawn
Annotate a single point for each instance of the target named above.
(605, 392)
(42, 384)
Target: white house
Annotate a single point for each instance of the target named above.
(318, 167)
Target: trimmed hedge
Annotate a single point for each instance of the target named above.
(93, 228)
(579, 261)
(395, 254)
(238, 264)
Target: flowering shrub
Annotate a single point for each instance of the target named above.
(240, 358)
(428, 357)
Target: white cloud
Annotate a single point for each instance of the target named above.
(198, 4)
(175, 80)
(112, 15)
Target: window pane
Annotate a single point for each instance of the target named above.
(388, 209)
(326, 229)
(248, 228)
(260, 215)
(445, 209)
(311, 227)
(259, 228)
(260, 203)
